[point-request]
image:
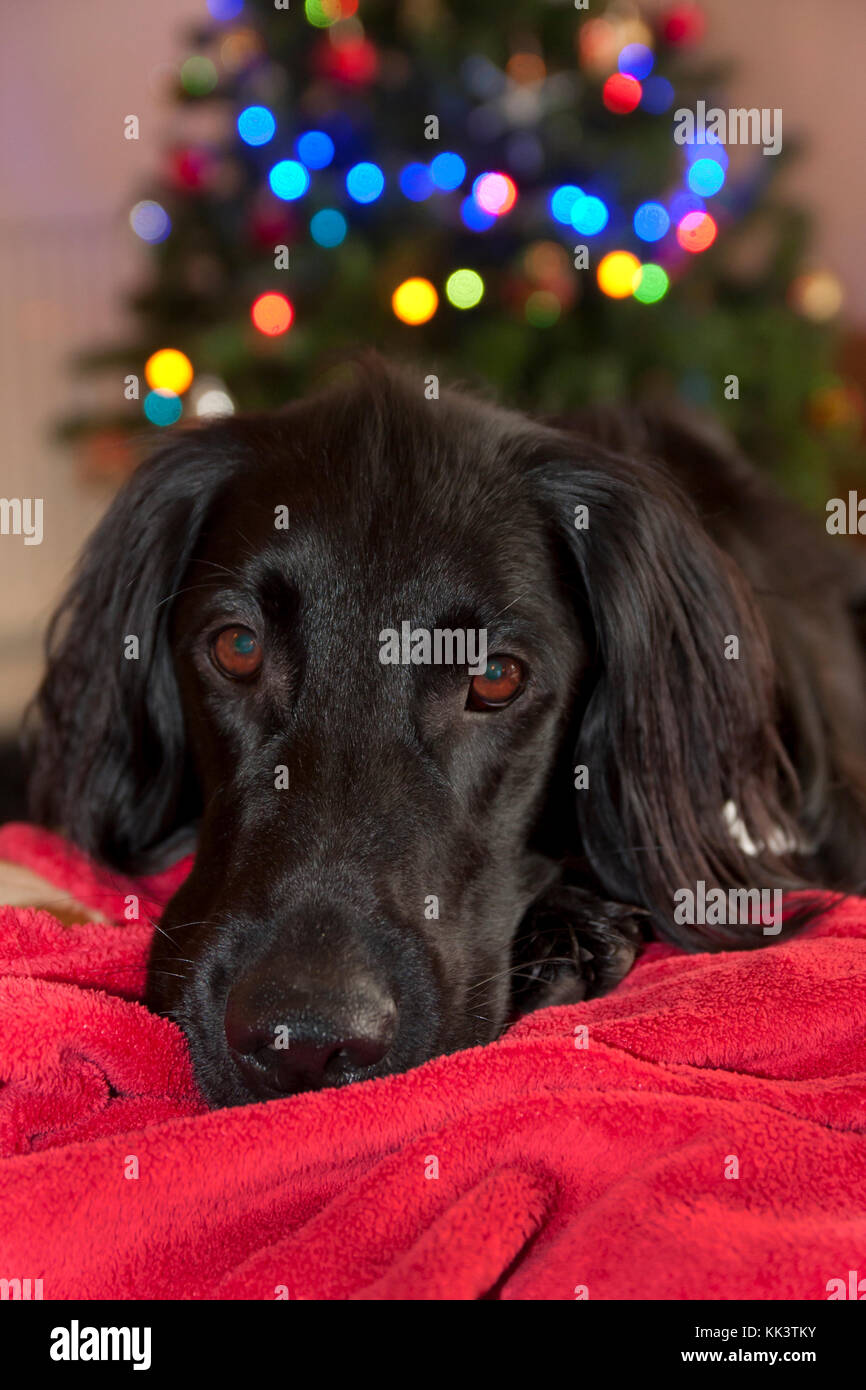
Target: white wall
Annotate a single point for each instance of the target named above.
(69, 73)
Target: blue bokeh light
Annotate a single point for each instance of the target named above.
(706, 177)
(256, 125)
(224, 10)
(315, 149)
(651, 221)
(711, 149)
(636, 60)
(364, 182)
(150, 221)
(562, 200)
(657, 95)
(448, 171)
(289, 180)
(474, 217)
(415, 182)
(589, 215)
(328, 227)
(162, 407)
(683, 203)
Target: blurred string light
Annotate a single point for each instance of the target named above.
(415, 182)
(684, 24)
(150, 221)
(464, 289)
(494, 193)
(636, 60)
(328, 227)
(616, 274)
(650, 283)
(415, 301)
(696, 231)
(706, 177)
(198, 76)
(483, 78)
(209, 397)
(289, 180)
(817, 295)
(214, 402)
(542, 308)
(547, 263)
(365, 182)
(256, 125)
(169, 370)
(224, 10)
(651, 221)
(589, 215)
(562, 200)
(272, 314)
(598, 44)
(683, 203)
(716, 150)
(239, 48)
(526, 68)
(447, 171)
(324, 13)
(621, 93)
(474, 217)
(315, 149)
(625, 46)
(657, 96)
(162, 407)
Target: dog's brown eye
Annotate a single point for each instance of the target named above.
(501, 683)
(237, 652)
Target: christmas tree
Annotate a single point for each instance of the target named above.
(492, 190)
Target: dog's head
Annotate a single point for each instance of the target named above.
(381, 817)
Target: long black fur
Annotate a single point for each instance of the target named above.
(447, 512)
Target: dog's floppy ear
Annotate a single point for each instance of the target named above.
(680, 719)
(106, 731)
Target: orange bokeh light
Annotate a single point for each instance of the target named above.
(696, 231)
(272, 314)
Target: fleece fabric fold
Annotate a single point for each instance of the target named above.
(700, 1133)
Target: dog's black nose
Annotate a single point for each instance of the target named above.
(300, 1040)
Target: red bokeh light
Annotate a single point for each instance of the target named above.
(684, 24)
(621, 93)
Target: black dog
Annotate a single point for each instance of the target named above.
(393, 860)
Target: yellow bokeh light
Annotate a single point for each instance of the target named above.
(617, 273)
(169, 370)
(818, 295)
(415, 301)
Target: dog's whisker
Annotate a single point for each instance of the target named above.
(224, 569)
(188, 589)
(522, 968)
(508, 605)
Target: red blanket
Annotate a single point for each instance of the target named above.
(699, 1134)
